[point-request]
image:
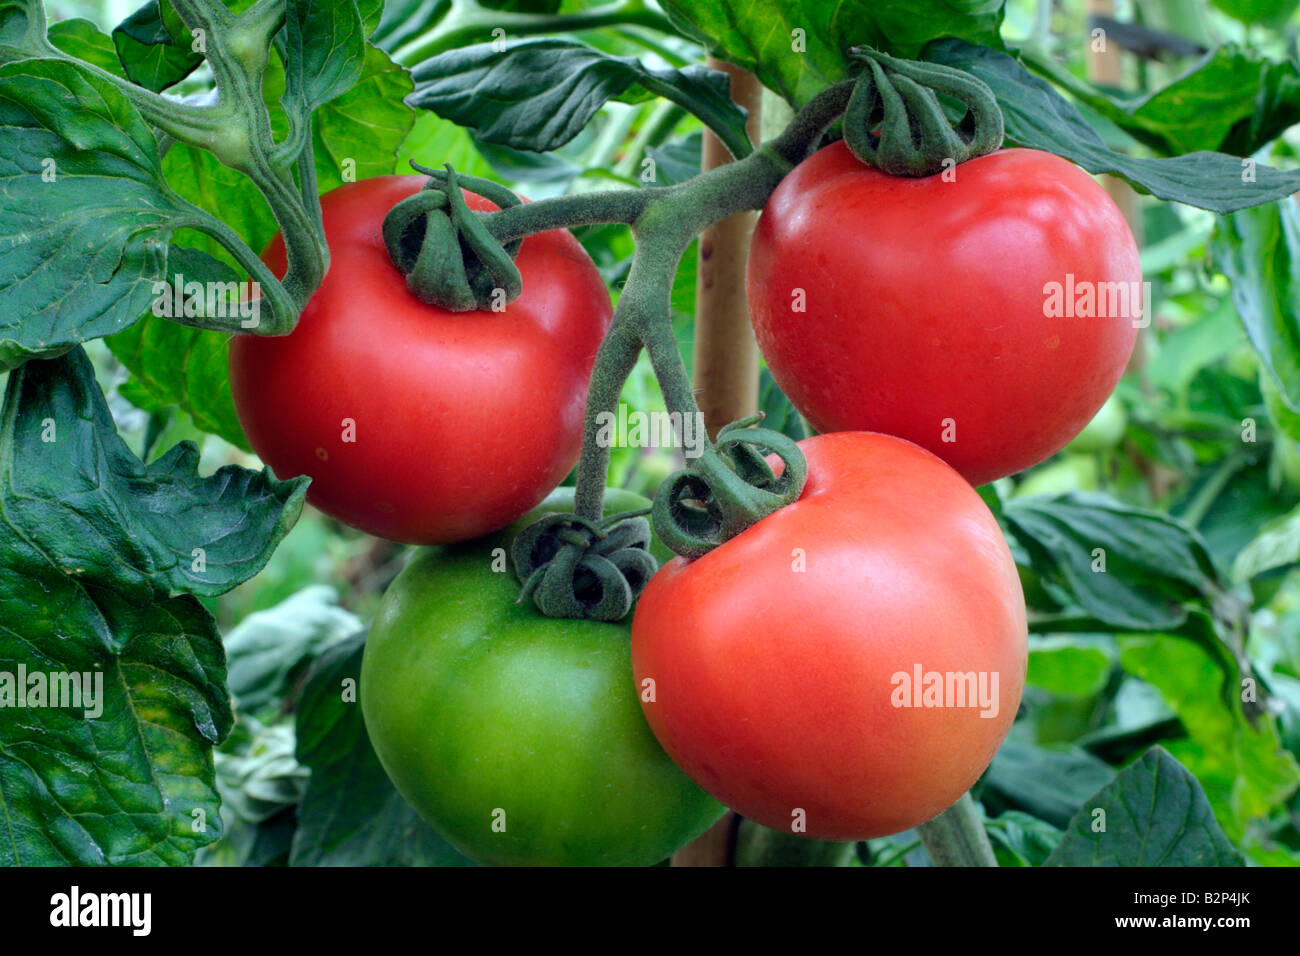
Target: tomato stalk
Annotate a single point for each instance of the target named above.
(956, 837)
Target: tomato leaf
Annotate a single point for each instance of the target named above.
(154, 47)
(351, 815)
(539, 94)
(1232, 100)
(797, 47)
(1038, 117)
(97, 554)
(85, 213)
(1132, 568)
(22, 29)
(325, 49)
(82, 39)
(404, 20)
(1238, 759)
(1050, 784)
(177, 365)
(1259, 251)
(268, 648)
(1153, 814)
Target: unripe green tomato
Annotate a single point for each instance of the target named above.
(1104, 432)
(518, 737)
(1071, 473)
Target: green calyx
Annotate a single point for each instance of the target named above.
(575, 568)
(444, 248)
(730, 488)
(896, 122)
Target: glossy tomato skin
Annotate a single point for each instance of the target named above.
(774, 656)
(460, 422)
(925, 303)
(482, 710)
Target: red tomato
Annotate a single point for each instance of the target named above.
(775, 658)
(926, 303)
(415, 423)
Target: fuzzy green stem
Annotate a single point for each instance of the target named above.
(956, 837)
(664, 220)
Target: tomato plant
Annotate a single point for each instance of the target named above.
(373, 384)
(775, 659)
(950, 201)
(922, 307)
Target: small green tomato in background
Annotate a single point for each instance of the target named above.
(1104, 432)
(1071, 473)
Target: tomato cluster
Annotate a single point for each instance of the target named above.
(844, 668)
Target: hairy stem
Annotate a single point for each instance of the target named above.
(956, 837)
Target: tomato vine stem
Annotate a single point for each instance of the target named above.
(956, 837)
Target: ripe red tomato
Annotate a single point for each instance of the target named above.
(926, 303)
(775, 659)
(415, 423)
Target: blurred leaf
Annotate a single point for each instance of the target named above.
(1038, 117)
(1050, 784)
(434, 141)
(404, 20)
(677, 161)
(1242, 766)
(351, 815)
(1276, 546)
(1187, 349)
(1155, 815)
(778, 413)
(539, 94)
(264, 777)
(1259, 251)
(526, 166)
(1232, 101)
(797, 47)
(268, 648)
(1272, 13)
(1065, 666)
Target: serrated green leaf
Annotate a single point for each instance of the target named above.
(95, 550)
(154, 46)
(85, 212)
(82, 39)
(1259, 251)
(797, 47)
(1155, 814)
(539, 94)
(1038, 117)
